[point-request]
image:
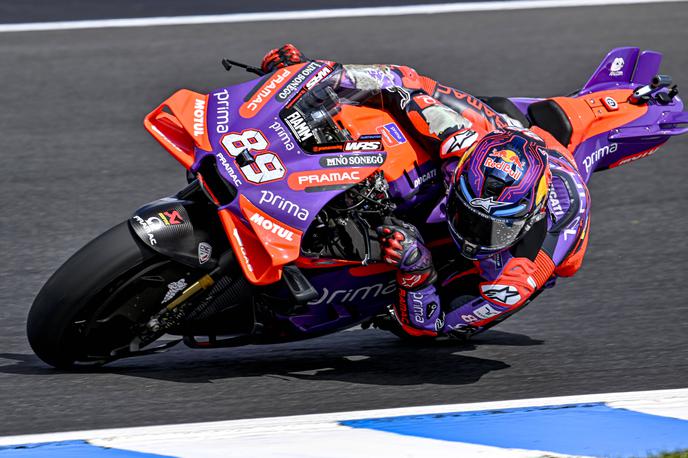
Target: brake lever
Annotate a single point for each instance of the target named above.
(227, 64)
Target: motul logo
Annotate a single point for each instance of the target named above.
(199, 117)
(272, 227)
(363, 146)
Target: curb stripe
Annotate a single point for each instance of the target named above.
(69, 449)
(594, 429)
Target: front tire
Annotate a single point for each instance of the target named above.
(64, 325)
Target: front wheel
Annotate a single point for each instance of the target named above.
(96, 302)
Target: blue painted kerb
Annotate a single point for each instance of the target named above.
(69, 449)
(576, 429)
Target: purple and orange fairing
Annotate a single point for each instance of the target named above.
(193, 126)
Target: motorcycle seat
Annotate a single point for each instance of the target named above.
(507, 107)
(549, 116)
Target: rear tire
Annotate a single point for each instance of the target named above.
(74, 289)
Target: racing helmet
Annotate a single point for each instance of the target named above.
(498, 192)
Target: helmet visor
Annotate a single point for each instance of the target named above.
(487, 232)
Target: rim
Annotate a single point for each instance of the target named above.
(116, 316)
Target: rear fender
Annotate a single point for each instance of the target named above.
(184, 230)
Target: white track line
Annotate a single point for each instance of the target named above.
(316, 14)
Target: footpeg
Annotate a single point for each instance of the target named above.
(299, 286)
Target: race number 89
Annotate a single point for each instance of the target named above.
(251, 140)
(266, 166)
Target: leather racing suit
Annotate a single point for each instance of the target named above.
(474, 294)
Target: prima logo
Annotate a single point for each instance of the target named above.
(287, 206)
(283, 135)
(589, 161)
(356, 294)
(222, 111)
(417, 306)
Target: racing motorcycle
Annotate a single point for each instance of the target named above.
(273, 239)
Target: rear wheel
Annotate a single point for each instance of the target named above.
(95, 304)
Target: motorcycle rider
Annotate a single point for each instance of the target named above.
(517, 207)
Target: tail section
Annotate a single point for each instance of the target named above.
(624, 68)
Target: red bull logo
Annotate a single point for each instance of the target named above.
(507, 159)
(508, 156)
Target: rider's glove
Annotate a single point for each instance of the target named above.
(402, 246)
(418, 307)
(282, 57)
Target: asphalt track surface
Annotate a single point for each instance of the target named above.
(76, 161)
(12, 11)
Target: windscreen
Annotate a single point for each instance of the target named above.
(312, 115)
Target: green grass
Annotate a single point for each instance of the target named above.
(677, 454)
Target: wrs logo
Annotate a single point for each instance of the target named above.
(322, 73)
(363, 146)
